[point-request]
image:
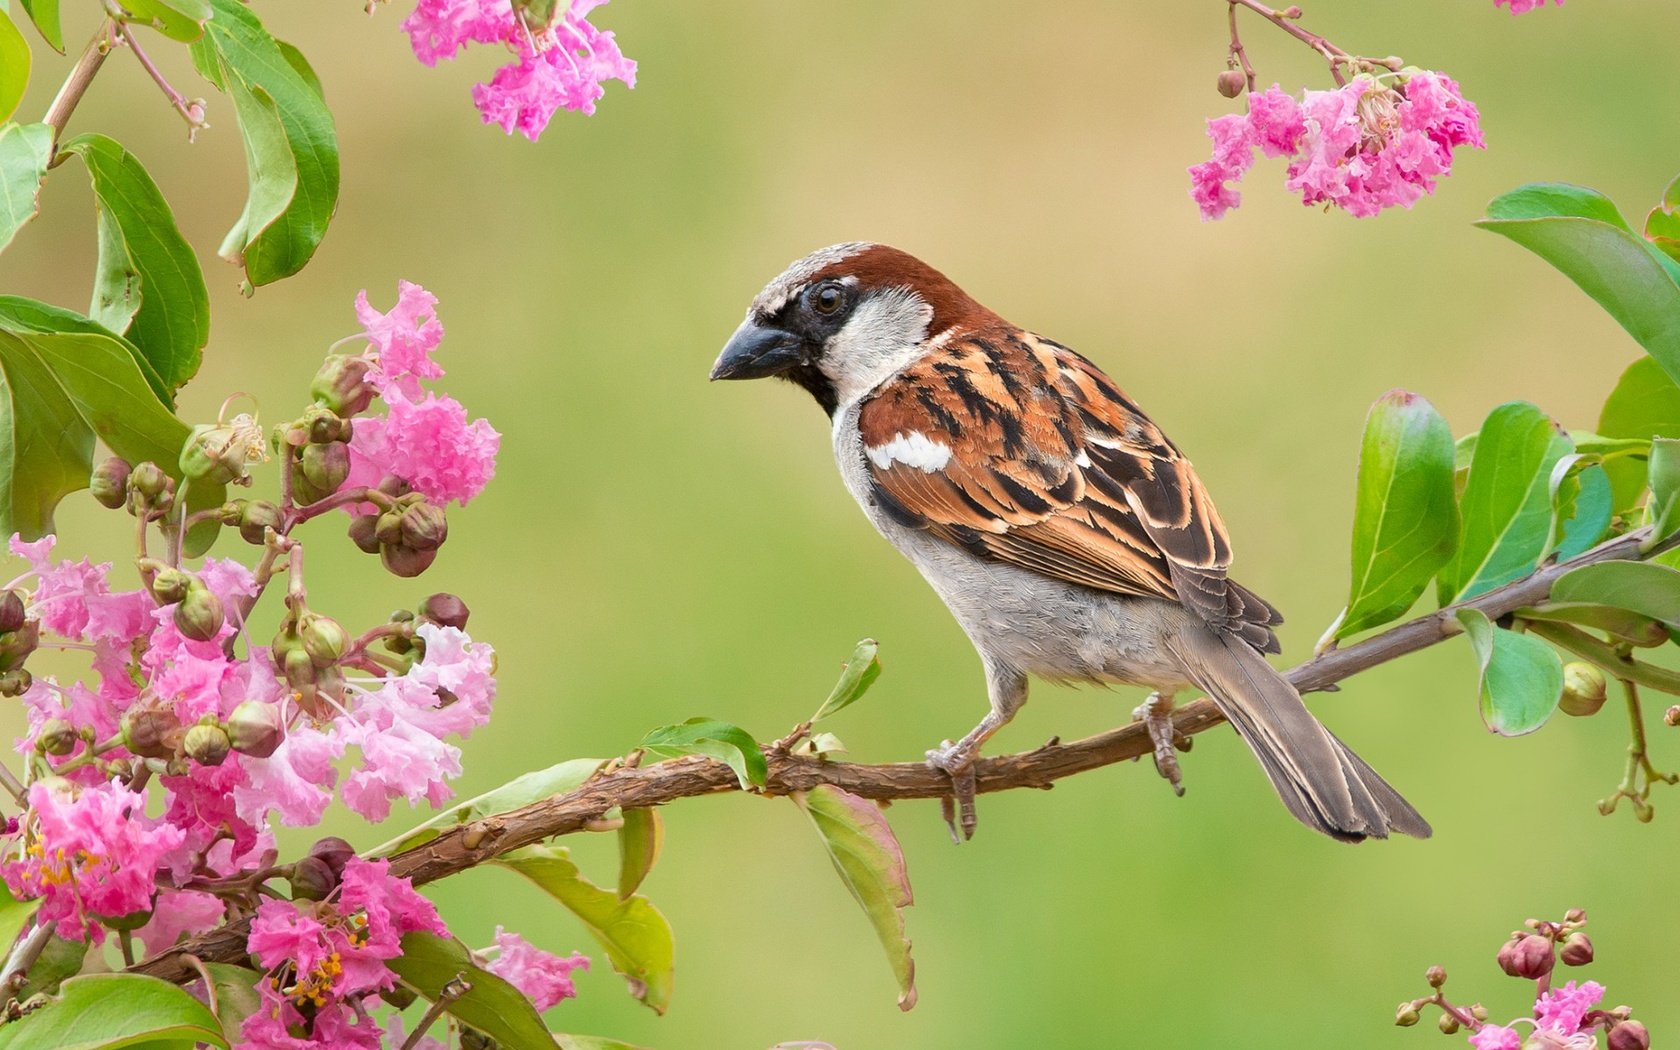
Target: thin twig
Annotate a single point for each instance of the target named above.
(451, 991)
(23, 956)
(76, 84)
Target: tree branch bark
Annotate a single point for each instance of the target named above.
(468, 845)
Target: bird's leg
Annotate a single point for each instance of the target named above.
(1008, 690)
(1156, 715)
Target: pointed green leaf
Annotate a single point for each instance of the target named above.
(856, 677)
(491, 1005)
(25, 150)
(18, 314)
(290, 142)
(1589, 519)
(14, 65)
(590, 1042)
(1405, 522)
(236, 995)
(1506, 511)
(867, 856)
(705, 736)
(44, 13)
(295, 59)
(1663, 511)
(1645, 404)
(1642, 587)
(181, 20)
(108, 1010)
(639, 842)
(1620, 624)
(1580, 232)
(636, 937)
(1521, 676)
(59, 961)
(520, 791)
(14, 916)
(146, 270)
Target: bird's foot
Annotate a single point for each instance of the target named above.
(1156, 715)
(957, 762)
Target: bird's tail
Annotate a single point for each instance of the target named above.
(1326, 785)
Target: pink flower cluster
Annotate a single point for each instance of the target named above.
(557, 66)
(425, 438)
(1523, 7)
(1560, 1021)
(1363, 147)
(542, 977)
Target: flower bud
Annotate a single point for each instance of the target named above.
(255, 728)
(298, 668)
(1479, 1012)
(57, 738)
(15, 683)
(1231, 83)
(199, 616)
(341, 385)
(1583, 689)
(1436, 976)
(311, 880)
(130, 922)
(1577, 950)
(1448, 1024)
(170, 586)
(12, 612)
(334, 852)
(256, 517)
(362, 533)
(15, 646)
(221, 453)
(445, 610)
(406, 561)
(148, 479)
(323, 427)
(1575, 915)
(1671, 717)
(324, 639)
(151, 731)
(1629, 1035)
(424, 527)
(206, 744)
(393, 486)
(109, 483)
(388, 526)
(1528, 956)
(1406, 1015)
(320, 470)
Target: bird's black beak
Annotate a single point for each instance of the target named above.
(755, 351)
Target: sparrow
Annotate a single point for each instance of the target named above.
(1070, 539)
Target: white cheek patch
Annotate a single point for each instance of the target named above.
(884, 334)
(915, 450)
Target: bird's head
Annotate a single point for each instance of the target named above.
(841, 320)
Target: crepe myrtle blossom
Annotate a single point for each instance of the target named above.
(1380, 141)
(543, 977)
(1523, 7)
(558, 64)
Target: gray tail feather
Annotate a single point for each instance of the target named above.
(1321, 781)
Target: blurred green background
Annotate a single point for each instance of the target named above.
(654, 547)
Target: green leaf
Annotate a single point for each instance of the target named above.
(636, 937)
(1663, 511)
(14, 65)
(291, 145)
(60, 960)
(25, 150)
(590, 1042)
(1620, 624)
(858, 674)
(181, 20)
(720, 740)
(1591, 515)
(639, 841)
(1644, 404)
(1405, 523)
(146, 270)
(60, 390)
(1521, 676)
(492, 1005)
(520, 791)
(1642, 587)
(14, 916)
(108, 1010)
(44, 13)
(295, 59)
(1506, 511)
(870, 862)
(1662, 226)
(1580, 232)
(236, 995)
(18, 314)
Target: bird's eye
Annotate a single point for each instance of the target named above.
(827, 300)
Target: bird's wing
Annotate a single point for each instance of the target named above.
(1017, 449)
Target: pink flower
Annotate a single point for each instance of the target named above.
(1559, 1011)
(398, 760)
(63, 588)
(1276, 122)
(91, 852)
(180, 912)
(1523, 7)
(402, 341)
(201, 804)
(1496, 1037)
(427, 443)
(439, 28)
(296, 780)
(1233, 154)
(463, 668)
(543, 978)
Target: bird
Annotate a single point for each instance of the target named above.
(1069, 538)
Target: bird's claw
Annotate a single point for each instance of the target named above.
(1156, 715)
(957, 808)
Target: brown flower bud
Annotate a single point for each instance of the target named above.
(1583, 689)
(320, 470)
(324, 639)
(15, 646)
(1575, 915)
(199, 616)
(109, 483)
(1528, 956)
(1406, 1015)
(298, 668)
(388, 526)
(57, 737)
(256, 517)
(206, 744)
(255, 728)
(1577, 950)
(311, 880)
(1671, 717)
(15, 683)
(445, 610)
(1436, 976)
(1479, 1012)
(1630, 1035)
(149, 480)
(1231, 83)
(12, 612)
(170, 586)
(1448, 1024)
(405, 561)
(334, 851)
(362, 533)
(324, 427)
(151, 731)
(341, 385)
(424, 527)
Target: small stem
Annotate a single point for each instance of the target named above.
(1237, 51)
(452, 991)
(10, 781)
(76, 84)
(23, 957)
(1618, 664)
(338, 499)
(1332, 54)
(191, 112)
(125, 942)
